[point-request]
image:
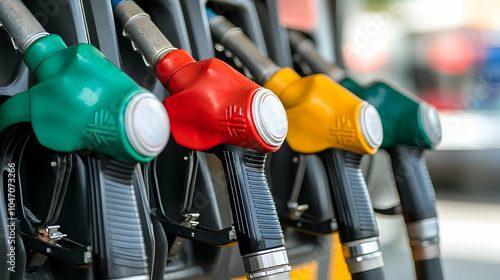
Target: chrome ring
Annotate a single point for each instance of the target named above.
(263, 260)
(269, 117)
(361, 247)
(31, 40)
(150, 142)
(371, 126)
(423, 229)
(431, 124)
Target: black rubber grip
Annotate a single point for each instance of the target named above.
(161, 250)
(252, 205)
(117, 240)
(373, 274)
(353, 208)
(429, 269)
(413, 182)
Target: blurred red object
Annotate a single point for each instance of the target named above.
(444, 99)
(298, 14)
(452, 54)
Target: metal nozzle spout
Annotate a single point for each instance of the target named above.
(146, 38)
(233, 38)
(21, 25)
(304, 47)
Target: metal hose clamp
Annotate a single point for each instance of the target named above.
(363, 255)
(267, 263)
(424, 239)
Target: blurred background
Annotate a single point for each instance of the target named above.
(448, 53)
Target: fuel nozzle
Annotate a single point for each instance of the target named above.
(359, 117)
(214, 108)
(327, 120)
(84, 102)
(409, 119)
(267, 113)
(324, 119)
(240, 123)
(410, 126)
(339, 121)
(136, 130)
(412, 122)
(109, 112)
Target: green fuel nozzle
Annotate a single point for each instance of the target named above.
(406, 119)
(410, 126)
(82, 100)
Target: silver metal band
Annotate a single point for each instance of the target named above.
(361, 247)
(423, 229)
(363, 255)
(264, 260)
(31, 40)
(424, 242)
(424, 239)
(365, 263)
(267, 264)
(280, 273)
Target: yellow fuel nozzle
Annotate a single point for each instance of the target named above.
(322, 114)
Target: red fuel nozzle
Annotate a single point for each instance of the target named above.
(224, 106)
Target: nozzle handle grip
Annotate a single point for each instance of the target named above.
(373, 274)
(418, 200)
(252, 205)
(429, 269)
(117, 240)
(353, 208)
(413, 182)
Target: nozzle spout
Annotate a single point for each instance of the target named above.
(146, 38)
(233, 38)
(304, 47)
(21, 25)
